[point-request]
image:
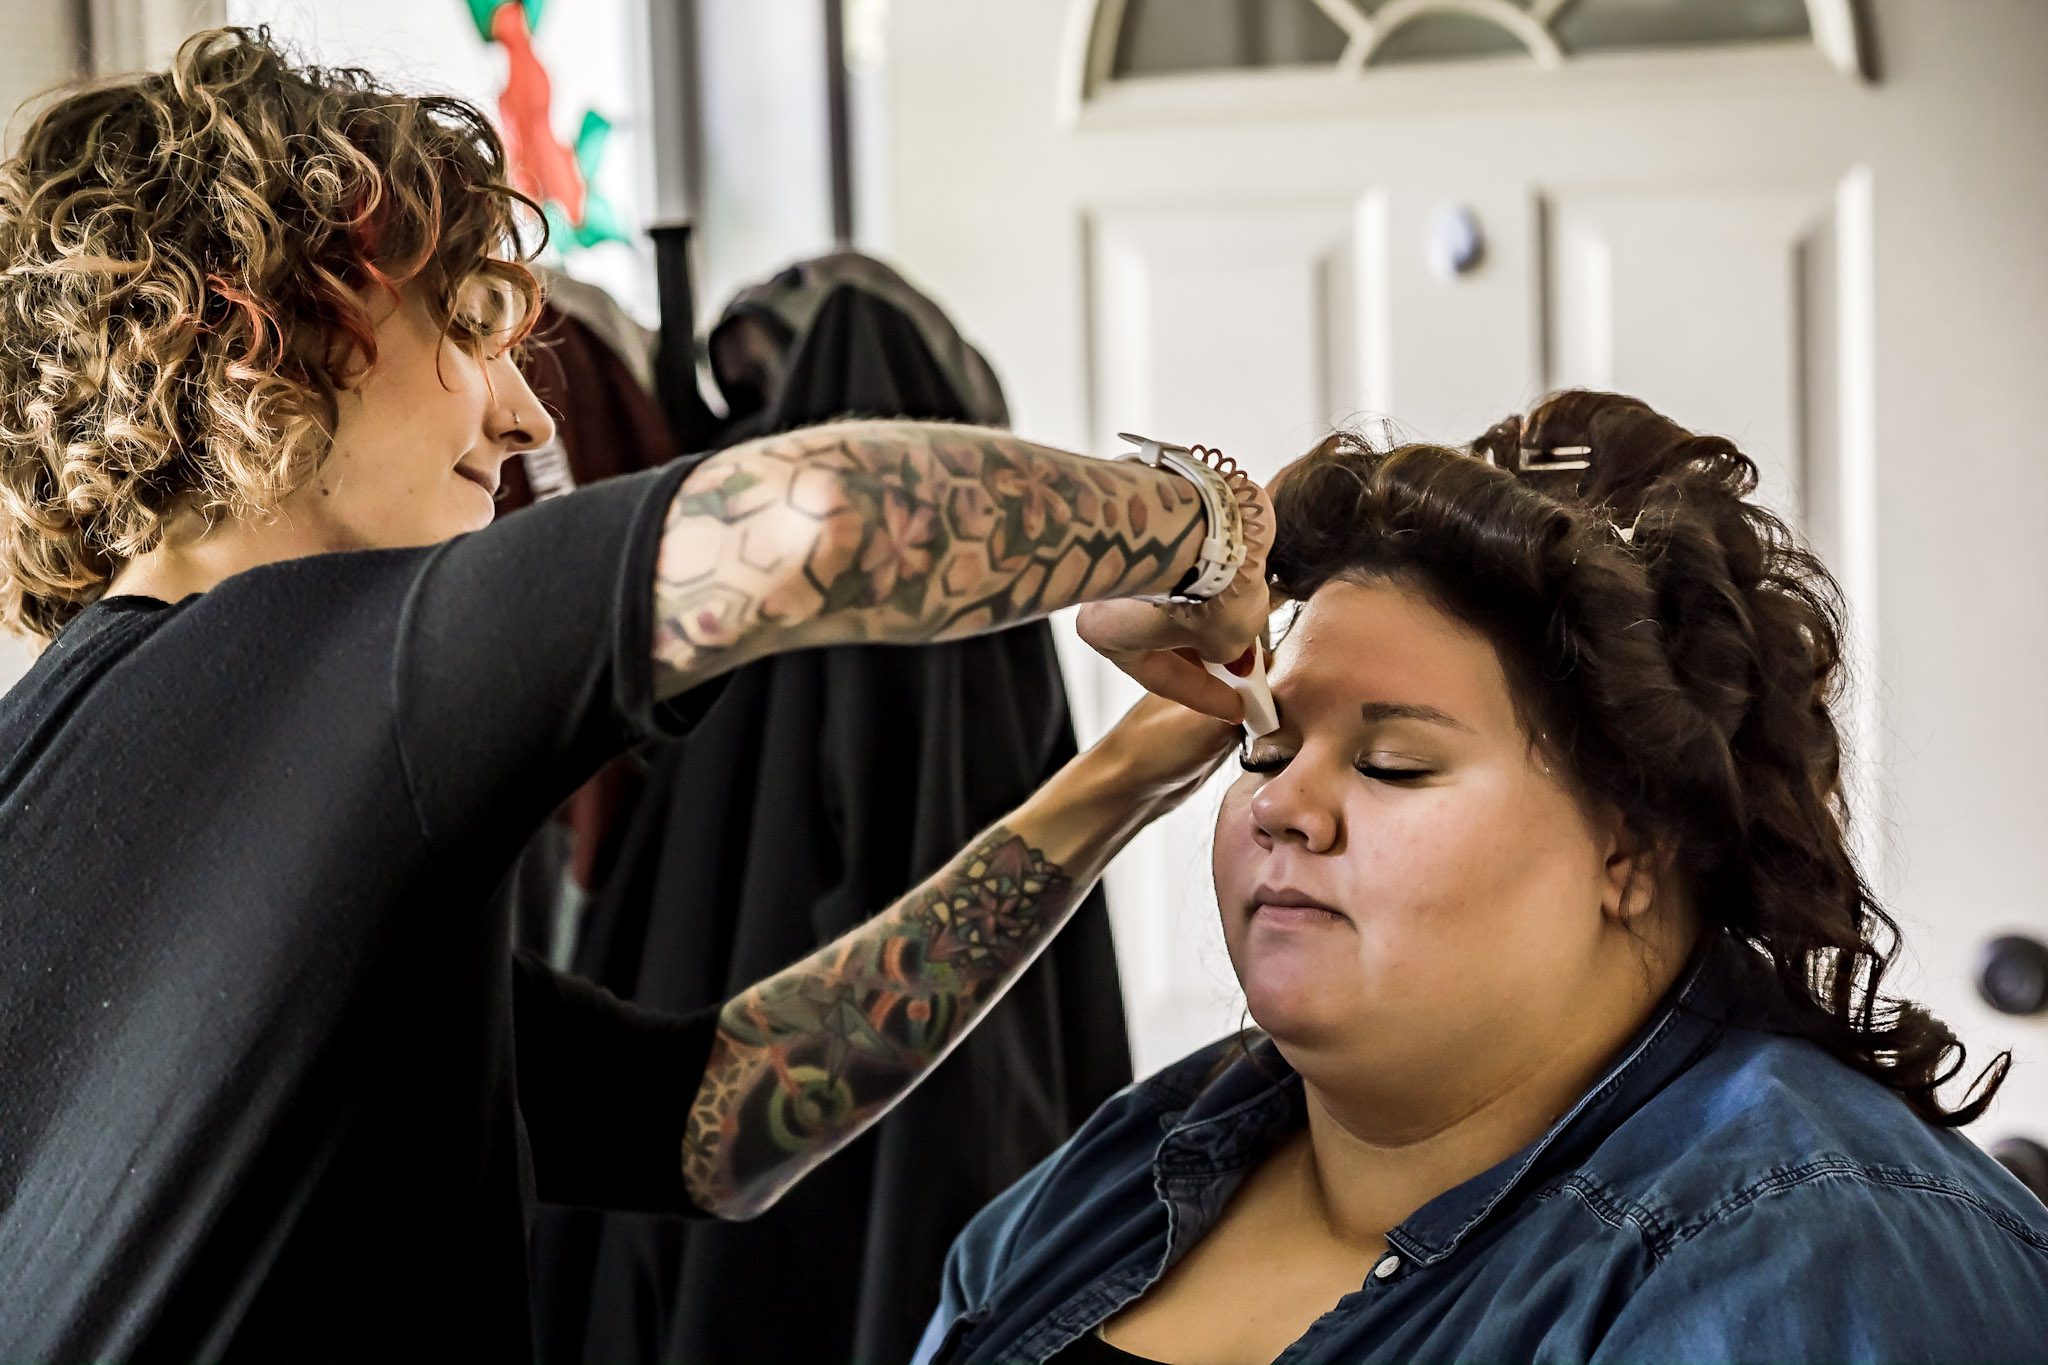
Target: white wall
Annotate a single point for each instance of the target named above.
(1962, 303)
(41, 49)
(767, 160)
(16, 653)
(141, 35)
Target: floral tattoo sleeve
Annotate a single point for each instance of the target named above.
(807, 1059)
(902, 531)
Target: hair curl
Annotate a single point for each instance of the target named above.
(1684, 673)
(186, 259)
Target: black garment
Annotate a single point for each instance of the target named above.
(824, 786)
(750, 343)
(257, 1000)
(1089, 1349)
(607, 424)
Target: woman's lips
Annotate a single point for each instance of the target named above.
(1297, 916)
(1281, 905)
(487, 482)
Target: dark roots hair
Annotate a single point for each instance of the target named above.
(1677, 648)
(184, 257)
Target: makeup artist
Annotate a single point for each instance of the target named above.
(302, 703)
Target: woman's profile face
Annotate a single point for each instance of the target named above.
(1401, 877)
(419, 441)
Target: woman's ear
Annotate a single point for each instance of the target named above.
(1634, 867)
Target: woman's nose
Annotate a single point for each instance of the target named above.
(1290, 806)
(521, 420)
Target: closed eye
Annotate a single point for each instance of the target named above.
(1271, 762)
(1394, 774)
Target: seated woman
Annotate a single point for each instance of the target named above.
(1571, 1040)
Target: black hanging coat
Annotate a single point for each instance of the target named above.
(822, 787)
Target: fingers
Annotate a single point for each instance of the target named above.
(1222, 630)
(1219, 630)
(1176, 677)
(1126, 627)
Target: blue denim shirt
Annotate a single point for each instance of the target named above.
(1724, 1193)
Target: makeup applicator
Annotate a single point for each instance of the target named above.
(1247, 677)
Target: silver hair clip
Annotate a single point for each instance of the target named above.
(1554, 464)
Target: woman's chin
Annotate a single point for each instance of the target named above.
(473, 508)
(1293, 1000)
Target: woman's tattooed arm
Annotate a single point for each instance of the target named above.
(808, 1059)
(900, 532)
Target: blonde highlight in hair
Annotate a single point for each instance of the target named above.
(187, 263)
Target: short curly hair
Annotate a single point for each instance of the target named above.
(185, 262)
(1673, 642)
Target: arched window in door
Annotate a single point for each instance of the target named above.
(1141, 38)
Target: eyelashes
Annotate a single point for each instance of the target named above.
(1273, 763)
(1269, 763)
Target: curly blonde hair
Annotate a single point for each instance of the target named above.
(185, 263)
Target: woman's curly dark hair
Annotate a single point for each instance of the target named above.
(1676, 647)
(184, 259)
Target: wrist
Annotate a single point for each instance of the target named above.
(1217, 483)
(1089, 809)
(1184, 533)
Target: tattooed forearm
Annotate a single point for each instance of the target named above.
(809, 1058)
(902, 531)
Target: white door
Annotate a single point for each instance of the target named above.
(1735, 225)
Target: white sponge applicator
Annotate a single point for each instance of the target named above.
(1261, 716)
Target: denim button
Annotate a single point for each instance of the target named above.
(1389, 1265)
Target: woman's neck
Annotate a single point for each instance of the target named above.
(193, 557)
(1381, 1146)
(1367, 1175)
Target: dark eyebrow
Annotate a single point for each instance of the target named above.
(1375, 711)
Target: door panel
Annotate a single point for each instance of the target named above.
(1224, 326)
(1444, 349)
(1701, 303)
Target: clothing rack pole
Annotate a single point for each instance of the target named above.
(839, 135)
(675, 356)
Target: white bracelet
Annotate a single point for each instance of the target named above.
(1210, 471)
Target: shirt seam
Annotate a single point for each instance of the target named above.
(398, 648)
(1825, 1168)
(1618, 1213)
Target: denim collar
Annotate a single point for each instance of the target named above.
(1258, 1100)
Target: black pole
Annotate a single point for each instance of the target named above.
(838, 122)
(83, 64)
(675, 354)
